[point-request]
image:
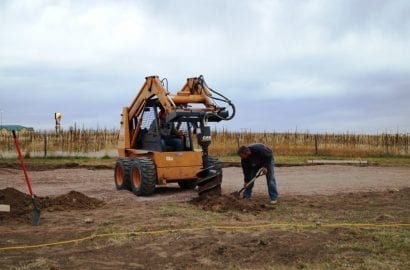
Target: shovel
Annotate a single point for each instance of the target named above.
(36, 211)
(237, 194)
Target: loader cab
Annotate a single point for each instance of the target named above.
(159, 135)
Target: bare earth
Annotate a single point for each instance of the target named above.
(308, 194)
(309, 180)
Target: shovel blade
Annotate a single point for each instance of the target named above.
(236, 194)
(35, 221)
(36, 217)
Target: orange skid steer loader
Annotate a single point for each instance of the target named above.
(156, 140)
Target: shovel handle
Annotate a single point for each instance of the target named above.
(258, 174)
(23, 166)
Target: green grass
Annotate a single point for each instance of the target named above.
(286, 160)
(382, 161)
(390, 161)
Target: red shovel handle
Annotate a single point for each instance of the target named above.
(23, 166)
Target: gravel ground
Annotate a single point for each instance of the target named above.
(304, 180)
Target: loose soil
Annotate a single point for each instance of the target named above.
(21, 204)
(79, 203)
(225, 203)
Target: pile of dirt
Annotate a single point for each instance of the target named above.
(21, 205)
(71, 200)
(223, 203)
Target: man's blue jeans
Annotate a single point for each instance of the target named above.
(271, 181)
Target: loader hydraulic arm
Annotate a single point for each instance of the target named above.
(152, 87)
(130, 123)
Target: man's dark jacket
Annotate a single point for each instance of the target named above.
(261, 156)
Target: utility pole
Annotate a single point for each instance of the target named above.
(1, 119)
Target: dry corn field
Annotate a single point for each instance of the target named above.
(226, 142)
(104, 142)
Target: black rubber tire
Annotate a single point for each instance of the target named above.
(143, 176)
(122, 172)
(187, 184)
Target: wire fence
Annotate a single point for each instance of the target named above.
(85, 142)
(74, 142)
(226, 142)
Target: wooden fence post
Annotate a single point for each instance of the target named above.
(45, 146)
(316, 150)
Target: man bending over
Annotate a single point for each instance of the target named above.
(255, 157)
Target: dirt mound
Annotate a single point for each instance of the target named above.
(225, 203)
(72, 200)
(21, 205)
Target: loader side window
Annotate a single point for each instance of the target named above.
(147, 118)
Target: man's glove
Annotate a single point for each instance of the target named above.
(264, 170)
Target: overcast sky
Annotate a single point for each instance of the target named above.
(322, 66)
